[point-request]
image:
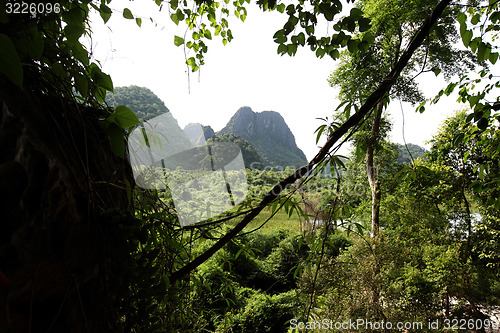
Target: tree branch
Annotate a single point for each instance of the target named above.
(370, 102)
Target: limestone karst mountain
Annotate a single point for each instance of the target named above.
(268, 132)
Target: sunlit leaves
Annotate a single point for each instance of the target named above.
(191, 62)
(178, 41)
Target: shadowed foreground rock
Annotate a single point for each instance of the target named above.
(63, 199)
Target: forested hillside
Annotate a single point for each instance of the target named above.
(410, 152)
(145, 104)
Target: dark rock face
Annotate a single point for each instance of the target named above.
(208, 132)
(60, 187)
(270, 135)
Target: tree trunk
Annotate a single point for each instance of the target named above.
(372, 170)
(60, 187)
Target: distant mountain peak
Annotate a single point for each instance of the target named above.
(269, 133)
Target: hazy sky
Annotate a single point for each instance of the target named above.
(245, 72)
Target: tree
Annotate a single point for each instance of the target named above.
(476, 171)
(393, 24)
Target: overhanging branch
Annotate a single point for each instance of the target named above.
(370, 102)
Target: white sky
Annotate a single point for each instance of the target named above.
(245, 72)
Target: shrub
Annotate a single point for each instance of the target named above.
(264, 313)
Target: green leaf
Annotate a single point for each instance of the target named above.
(116, 137)
(482, 51)
(282, 49)
(138, 21)
(279, 37)
(359, 227)
(73, 32)
(73, 16)
(123, 117)
(301, 39)
(327, 10)
(458, 139)
(495, 17)
(128, 14)
(174, 18)
(82, 85)
(207, 34)
(105, 12)
(352, 45)
(291, 49)
(466, 36)
(320, 131)
(461, 18)
(369, 38)
(349, 24)
(364, 24)
(436, 70)
(493, 57)
(101, 79)
(334, 54)
(473, 100)
(356, 13)
(363, 46)
(35, 44)
(475, 43)
(320, 52)
(475, 19)
(10, 64)
(178, 41)
(449, 89)
(80, 53)
(191, 62)
(482, 124)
